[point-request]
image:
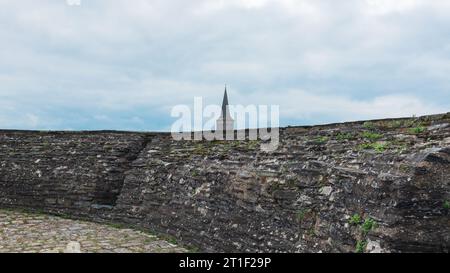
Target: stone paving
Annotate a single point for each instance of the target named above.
(37, 233)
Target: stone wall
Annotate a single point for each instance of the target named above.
(363, 186)
(65, 171)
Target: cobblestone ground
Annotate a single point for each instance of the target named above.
(36, 233)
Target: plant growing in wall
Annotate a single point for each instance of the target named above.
(365, 226)
(355, 219)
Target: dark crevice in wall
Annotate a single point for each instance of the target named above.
(107, 192)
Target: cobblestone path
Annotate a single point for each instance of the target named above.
(35, 233)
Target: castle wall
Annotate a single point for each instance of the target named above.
(64, 171)
(231, 196)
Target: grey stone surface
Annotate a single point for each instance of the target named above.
(36, 233)
(231, 196)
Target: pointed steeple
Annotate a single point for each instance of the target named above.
(225, 111)
(225, 122)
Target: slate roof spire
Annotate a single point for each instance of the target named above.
(225, 110)
(225, 122)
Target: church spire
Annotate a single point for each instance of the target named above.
(225, 111)
(225, 122)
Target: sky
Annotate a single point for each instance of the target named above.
(124, 64)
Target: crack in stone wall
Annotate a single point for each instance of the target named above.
(135, 151)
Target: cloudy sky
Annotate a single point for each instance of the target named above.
(123, 64)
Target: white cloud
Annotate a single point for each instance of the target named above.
(111, 59)
(387, 6)
(302, 105)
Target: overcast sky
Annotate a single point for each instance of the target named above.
(123, 64)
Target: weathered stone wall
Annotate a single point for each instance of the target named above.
(374, 186)
(65, 171)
